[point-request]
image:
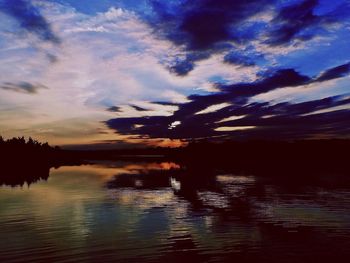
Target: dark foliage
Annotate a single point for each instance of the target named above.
(269, 158)
(29, 161)
(24, 161)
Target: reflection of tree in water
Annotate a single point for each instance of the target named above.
(201, 185)
(181, 249)
(240, 206)
(24, 161)
(25, 174)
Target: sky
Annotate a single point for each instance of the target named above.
(165, 72)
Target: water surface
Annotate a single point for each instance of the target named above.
(156, 212)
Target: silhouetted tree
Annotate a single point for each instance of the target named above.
(24, 161)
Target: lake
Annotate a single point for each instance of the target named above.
(160, 212)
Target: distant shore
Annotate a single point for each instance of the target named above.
(29, 160)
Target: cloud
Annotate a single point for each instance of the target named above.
(291, 20)
(114, 109)
(95, 71)
(29, 18)
(203, 28)
(200, 25)
(23, 87)
(139, 108)
(244, 31)
(150, 76)
(334, 73)
(284, 121)
(230, 113)
(239, 59)
(165, 103)
(300, 21)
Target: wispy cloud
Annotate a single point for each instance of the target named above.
(22, 87)
(29, 18)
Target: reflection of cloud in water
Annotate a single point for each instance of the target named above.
(143, 199)
(107, 170)
(238, 179)
(311, 209)
(175, 184)
(209, 213)
(214, 200)
(235, 185)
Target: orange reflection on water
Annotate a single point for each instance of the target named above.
(152, 166)
(109, 170)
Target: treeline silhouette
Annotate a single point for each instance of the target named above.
(263, 157)
(26, 161)
(250, 156)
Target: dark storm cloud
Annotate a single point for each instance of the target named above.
(29, 18)
(138, 108)
(166, 103)
(114, 109)
(291, 20)
(181, 66)
(281, 120)
(334, 73)
(300, 21)
(205, 27)
(238, 59)
(192, 124)
(22, 87)
(201, 24)
(240, 93)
